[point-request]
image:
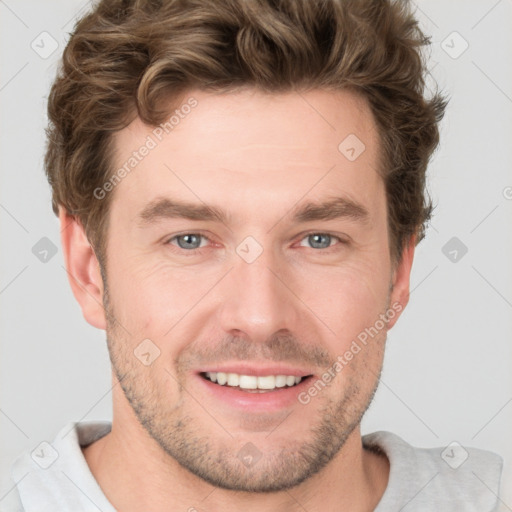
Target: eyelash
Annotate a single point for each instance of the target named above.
(199, 251)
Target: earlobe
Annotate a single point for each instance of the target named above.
(401, 279)
(83, 269)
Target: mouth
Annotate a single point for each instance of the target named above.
(253, 387)
(254, 383)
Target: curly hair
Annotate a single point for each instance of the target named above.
(129, 58)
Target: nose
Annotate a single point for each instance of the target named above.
(258, 299)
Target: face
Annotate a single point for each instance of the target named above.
(245, 246)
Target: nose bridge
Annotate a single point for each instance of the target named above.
(255, 299)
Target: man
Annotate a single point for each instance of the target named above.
(240, 187)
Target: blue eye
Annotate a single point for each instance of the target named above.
(189, 241)
(192, 242)
(320, 240)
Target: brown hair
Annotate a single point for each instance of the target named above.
(127, 56)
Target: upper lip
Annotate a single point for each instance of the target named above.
(257, 370)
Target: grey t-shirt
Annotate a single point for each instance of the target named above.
(55, 476)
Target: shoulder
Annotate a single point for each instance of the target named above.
(452, 477)
(50, 476)
(10, 497)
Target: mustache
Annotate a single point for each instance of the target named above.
(278, 348)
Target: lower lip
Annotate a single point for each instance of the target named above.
(275, 400)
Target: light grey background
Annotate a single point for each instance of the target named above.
(447, 374)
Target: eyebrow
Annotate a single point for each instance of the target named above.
(164, 208)
(333, 208)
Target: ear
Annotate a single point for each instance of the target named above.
(401, 279)
(83, 269)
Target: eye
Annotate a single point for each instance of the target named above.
(188, 241)
(193, 242)
(321, 240)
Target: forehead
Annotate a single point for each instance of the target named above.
(248, 148)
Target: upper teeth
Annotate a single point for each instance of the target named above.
(253, 382)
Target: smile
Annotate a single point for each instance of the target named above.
(251, 382)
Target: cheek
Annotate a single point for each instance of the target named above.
(349, 298)
(151, 298)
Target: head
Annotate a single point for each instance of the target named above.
(242, 186)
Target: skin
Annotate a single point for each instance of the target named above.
(257, 157)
